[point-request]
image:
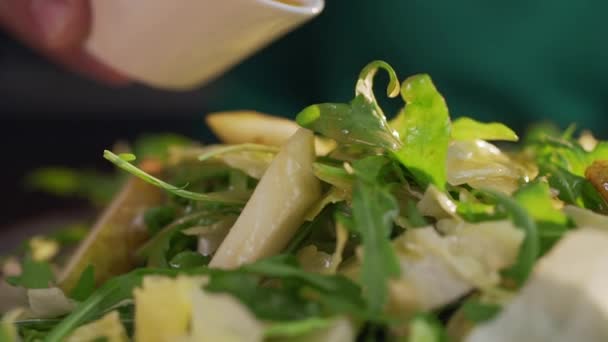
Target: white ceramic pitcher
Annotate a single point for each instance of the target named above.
(180, 44)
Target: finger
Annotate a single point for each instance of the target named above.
(47, 24)
(58, 29)
(63, 24)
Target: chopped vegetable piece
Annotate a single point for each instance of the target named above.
(277, 207)
(110, 244)
(49, 302)
(564, 300)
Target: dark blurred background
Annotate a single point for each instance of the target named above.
(517, 62)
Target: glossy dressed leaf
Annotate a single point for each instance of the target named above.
(359, 122)
(469, 129)
(188, 259)
(424, 129)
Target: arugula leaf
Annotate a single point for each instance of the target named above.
(359, 122)
(573, 189)
(157, 218)
(476, 311)
(188, 259)
(374, 209)
(224, 198)
(34, 275)
(85, 285)
(551, 223)
(157, 247)
(286, 266)
(468, 129)
(414, 216)
(530, 248)
(424, 128)
(334, 175)
(290, 298)
(276, 304)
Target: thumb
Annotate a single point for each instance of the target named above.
(54, 25)
(58, 30)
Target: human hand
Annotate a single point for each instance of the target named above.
(57, 29)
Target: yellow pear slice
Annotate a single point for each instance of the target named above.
(564, 300)
(117, 233)
(245, 126)
(277, 207)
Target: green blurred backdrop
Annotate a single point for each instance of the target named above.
(515, 61)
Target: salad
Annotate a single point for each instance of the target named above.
(342, 225)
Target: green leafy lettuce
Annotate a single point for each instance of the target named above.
(469, 129)
(424, 128)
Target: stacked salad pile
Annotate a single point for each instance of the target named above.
(341, 226)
